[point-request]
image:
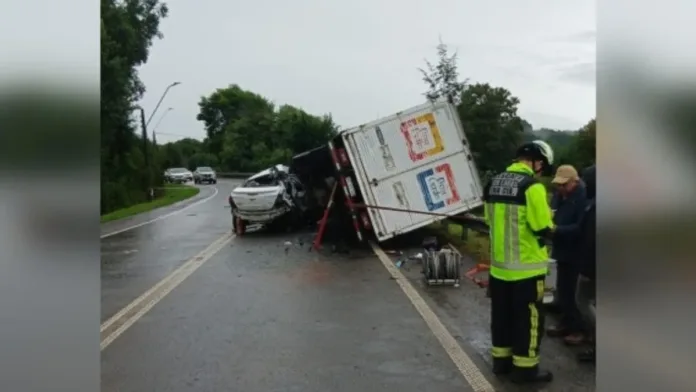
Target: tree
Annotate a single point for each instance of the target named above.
(490, 120)
(128, 29)
(561, 141)
(443, 79)
(246, 133)
(202, 159)
(582, 150)
(186, 152)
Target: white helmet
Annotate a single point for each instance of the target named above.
(546, 150)
(537, 150)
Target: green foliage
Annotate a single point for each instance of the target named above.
(443, 78)
(128, 28)
(492, 125)
(581, 151)
(245, 132)
(489, 116)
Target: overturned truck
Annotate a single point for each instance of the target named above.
(405, 171)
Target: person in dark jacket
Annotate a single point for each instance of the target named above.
(585, 292)
(589, 176)
(569, 205)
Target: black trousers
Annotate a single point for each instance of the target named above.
(585, 301)
(567, 283)
(517, 319)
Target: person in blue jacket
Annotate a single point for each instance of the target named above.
(569, 204)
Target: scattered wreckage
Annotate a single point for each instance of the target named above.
(382, 179)
(375, 182)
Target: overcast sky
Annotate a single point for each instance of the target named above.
(358, 59)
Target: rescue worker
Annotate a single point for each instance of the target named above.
(518, 215)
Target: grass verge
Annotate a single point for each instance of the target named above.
(171, 195)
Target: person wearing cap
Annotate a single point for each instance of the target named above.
(569, 204)
(519, 218)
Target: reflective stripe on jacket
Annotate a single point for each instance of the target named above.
(518, 215)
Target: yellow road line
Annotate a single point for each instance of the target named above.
(127, 316)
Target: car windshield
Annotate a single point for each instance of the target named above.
(179, 170)
(204, 169)
(267, 180)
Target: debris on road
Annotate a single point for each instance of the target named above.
(431, 244)
(471, 275)
(287, 245)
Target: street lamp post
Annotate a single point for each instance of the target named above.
(146, 156)
(160, 101)
(154, 138)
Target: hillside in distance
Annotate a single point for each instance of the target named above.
(556, 138)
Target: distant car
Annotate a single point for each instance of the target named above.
(178, 175)
(204, 174)
(272, 197)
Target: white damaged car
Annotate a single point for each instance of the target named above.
(272, 197)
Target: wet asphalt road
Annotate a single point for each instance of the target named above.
(466, 313)
(259, 316)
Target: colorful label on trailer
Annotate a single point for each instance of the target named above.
(438, 187)
(422, 137)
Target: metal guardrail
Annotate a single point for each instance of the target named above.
(234, 175)
(471, 222)
(477, 224)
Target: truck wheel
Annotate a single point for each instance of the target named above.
(214, 181)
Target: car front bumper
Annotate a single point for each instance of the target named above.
(265, 216)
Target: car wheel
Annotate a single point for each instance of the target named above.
(214, 181)
(239, 226)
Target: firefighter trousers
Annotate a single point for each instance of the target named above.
(517, 320)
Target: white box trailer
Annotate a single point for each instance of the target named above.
(418, 160)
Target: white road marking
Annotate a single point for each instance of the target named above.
(125, 318)
(199, 202)
(466, 366)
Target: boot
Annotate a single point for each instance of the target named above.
(502, 366)
(531, 375)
